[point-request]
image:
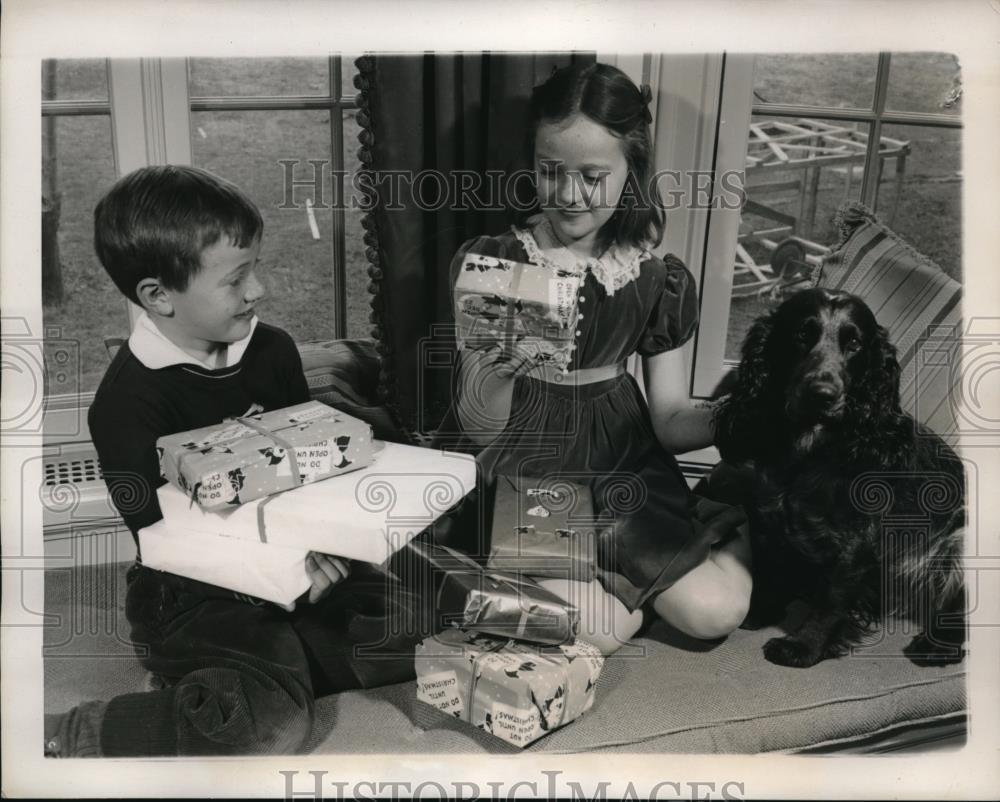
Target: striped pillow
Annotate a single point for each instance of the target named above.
(914, 299)
(344, 374)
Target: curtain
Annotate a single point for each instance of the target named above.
(434, 126)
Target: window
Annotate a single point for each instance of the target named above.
(263, 123)
(807, 131)
(239, 118)
(81, 306)
(817, 130)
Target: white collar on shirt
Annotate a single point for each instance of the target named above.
(152, 347)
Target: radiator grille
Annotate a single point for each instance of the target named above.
(72, 489)
(72, 471)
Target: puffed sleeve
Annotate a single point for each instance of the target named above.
(674, 317)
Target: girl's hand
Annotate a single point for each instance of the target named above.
(516, 361)
(486, 386)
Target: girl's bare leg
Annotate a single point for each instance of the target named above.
(711, 600)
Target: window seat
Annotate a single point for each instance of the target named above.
(662, 692)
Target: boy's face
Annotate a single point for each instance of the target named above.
(219, 301)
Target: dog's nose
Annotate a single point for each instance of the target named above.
(824, 392)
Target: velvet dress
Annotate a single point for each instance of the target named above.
(601, 434)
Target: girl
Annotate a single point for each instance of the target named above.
(599, 216)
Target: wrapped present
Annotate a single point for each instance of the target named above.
(246, 566)
(365, 515)
(516, 302)
(494, 602)
(514, 691)
(544, 527)
(246, 458)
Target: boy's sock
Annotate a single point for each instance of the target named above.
(76, 733)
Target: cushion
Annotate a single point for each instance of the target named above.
(663, 692)
(344, 374)
(914, 299)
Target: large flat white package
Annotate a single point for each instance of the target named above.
(246, 566)
(365, 515)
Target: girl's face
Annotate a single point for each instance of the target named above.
(580, 170)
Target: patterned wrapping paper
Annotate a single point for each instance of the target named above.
(498, 299)
(512, 690)
(493, 602)
(246, 458)
(544, 527)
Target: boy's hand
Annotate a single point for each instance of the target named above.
(325, 571)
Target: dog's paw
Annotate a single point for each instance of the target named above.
(924, 652)
(790, 652)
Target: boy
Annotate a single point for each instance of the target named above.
(241, 675)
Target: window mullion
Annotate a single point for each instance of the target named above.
(265, 103)
(815, 113)
(869, 185)
(75, 108)
(339, 202)
(150, 117)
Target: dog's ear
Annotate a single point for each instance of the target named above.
(879, 390)
(755, 372)
(741, 417)
(882, 435)
(891, 371)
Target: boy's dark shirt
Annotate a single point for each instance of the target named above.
(135, 405)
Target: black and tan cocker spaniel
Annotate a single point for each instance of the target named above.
(853, 505)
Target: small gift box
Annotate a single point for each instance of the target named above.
(514, 691)
(367, 515)
(517, 302)
(245, 566)
(494, 602)
(544, 527)
(246, 458)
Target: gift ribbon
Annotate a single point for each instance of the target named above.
(515, 283)
(567, 687)
(260, 429)
(517, 269)
(563, 667)
(474, 681)
(261, 528)
(511, 582)
(278, 440)
(188, 455)
(562, 711)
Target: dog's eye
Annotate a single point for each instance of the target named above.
(853, 345)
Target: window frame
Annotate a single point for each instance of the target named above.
(702, 106)
(736, 99)
(150, 108)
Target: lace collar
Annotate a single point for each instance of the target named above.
(615, 268)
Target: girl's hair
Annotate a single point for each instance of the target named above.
(608, 97)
